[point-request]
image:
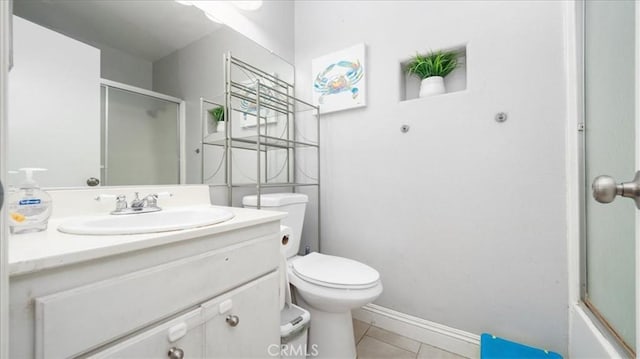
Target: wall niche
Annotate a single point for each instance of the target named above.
(456, 81)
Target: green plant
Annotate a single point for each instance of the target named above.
(217, 113)
(439, 63)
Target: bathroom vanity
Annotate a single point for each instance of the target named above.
(210, 292)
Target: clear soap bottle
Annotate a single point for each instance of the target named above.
(29, 207)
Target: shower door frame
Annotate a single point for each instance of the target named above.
(182, 172)
(592, 328)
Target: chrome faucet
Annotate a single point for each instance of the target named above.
(137, 205)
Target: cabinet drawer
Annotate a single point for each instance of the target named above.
(80, 319)
(157, 341)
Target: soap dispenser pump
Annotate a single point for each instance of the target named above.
(29, 207)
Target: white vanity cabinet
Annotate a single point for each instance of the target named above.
(205, 293)
(233, 325)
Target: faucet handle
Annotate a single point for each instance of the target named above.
(152, 199)
(121, 202)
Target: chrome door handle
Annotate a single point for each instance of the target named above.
(605, 189)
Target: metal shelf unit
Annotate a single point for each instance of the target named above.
(250, 142)
(257, 103)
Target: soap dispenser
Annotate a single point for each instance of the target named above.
(29, 207)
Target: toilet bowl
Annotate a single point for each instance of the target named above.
(330, 298)
(329, 287)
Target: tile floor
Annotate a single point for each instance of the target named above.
(375, 343)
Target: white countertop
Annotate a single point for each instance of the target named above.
(30, 252)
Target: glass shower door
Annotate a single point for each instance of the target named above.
(610, 149)
(141, 139)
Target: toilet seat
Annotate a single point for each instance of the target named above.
(331, 297)
(335, 272)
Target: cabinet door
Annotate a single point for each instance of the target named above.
(185, 335)
(244, 323)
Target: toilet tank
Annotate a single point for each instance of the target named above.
(292, 203)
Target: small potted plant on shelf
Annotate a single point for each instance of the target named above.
(432, 69)
(217, 114)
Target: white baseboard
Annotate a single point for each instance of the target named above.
(438, 335)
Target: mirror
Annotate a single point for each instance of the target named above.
(111, 90)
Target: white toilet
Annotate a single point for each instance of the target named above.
(329, 287)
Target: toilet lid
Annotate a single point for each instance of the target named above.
(335, 272)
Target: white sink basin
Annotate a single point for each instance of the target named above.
(162, 221)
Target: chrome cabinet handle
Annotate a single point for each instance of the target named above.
(233, 320)
(605, 189)
(176, 353)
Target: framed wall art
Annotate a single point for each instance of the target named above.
(339, 80)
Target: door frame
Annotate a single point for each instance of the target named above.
(587, 336)
(181, 125)
(5, 63)
(637, 115)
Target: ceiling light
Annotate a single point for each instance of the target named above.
(247, 4)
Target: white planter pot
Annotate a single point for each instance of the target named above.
(219, 126)
(433, 85)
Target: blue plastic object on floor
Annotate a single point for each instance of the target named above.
(492, 347)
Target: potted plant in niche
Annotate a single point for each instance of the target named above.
(217, 114)
(432, 69)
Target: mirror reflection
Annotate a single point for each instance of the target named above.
(109, 92)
